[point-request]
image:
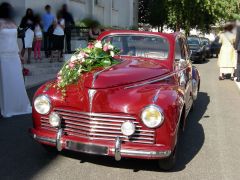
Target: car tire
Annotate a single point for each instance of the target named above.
(50, 149)
(168, 163)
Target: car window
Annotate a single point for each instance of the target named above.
(193, 41)
(154, 47)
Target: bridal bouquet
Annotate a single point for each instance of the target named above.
(84, 60)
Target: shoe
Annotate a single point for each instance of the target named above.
(232, 78)
(221, 78)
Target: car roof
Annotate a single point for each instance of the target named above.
(147, 33)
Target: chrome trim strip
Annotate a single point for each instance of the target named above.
(154, 154)
(156, 80)
(155, 98)
(96, 114)
(91, 93)
(96, 74)
(151, 81)
(92, 131)
(44, 139)
(91, 119)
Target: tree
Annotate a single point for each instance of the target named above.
(158, 14)
(187, 14)
(143, 12)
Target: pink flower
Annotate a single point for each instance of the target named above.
(90, 46)
(59, 78)
(105, 48)
(71, 65)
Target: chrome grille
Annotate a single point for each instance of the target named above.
(99, 126)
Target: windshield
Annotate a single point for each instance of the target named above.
(155, 47)
(193, 41)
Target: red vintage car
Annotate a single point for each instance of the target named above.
(133, 109)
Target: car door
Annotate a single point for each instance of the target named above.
(184, 70)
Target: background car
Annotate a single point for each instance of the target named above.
(197, 49)
(207, 45)
(215, 47)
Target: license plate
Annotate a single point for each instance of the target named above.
(87, 148)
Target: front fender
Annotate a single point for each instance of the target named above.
(172, 103)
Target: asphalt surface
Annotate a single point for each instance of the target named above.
(209, 147)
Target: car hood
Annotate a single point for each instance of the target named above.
(126, 72)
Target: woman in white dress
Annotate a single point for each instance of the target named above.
(13, 95)
(227, 55)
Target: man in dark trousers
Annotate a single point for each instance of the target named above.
(69, 23)
(47, 21)
(237, 47)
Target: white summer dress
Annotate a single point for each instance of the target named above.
(13, 95)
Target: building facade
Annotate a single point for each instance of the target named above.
(121, 13)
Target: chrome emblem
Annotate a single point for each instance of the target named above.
(91, 93)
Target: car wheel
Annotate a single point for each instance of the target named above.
(50, 149)
(169, 162)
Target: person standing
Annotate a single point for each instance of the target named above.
(94, 31)
(58, 36)
(69, 23)
(47, 20)
(38, 38)
(13, 96)
(27, 23)
(226, 59)
(237, 47)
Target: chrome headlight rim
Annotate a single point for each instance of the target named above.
(160, 110)
(49, 101)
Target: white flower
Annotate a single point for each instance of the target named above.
(110, 47)
(73, 58)
(80, 56)
(98, 44)
(112, 53)
(83, 59)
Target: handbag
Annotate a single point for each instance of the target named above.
(21, 32)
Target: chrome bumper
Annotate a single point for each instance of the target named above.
(101, 150)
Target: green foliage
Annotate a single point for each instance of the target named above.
(84, 60)
(87, 22)
(187, 14)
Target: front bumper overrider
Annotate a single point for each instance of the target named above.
(116, 149)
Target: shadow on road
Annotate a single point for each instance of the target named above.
(191, 142)
(20, 156)
(204, 62)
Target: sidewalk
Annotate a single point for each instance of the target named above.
(238, 84)
(41, 71)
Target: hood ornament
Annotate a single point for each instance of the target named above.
(91, 93)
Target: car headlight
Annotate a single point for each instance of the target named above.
(42, 104)
(152, 116)
(54, 119)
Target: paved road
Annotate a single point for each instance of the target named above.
(209, 148)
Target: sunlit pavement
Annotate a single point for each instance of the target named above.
(209, 148)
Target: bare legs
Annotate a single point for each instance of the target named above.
(29, 50)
